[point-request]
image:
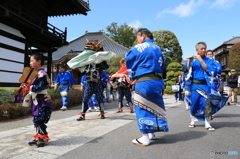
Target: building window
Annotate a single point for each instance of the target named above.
(224, 61)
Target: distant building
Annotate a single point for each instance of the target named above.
(76, 47)
(222, 52)
(25, 29)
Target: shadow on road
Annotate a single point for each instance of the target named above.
(227, 115)
(182, 136)
(218, 125)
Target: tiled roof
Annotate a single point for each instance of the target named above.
(77, 45)
(232, 41)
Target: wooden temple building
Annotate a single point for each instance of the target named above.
(222, 53)
(76, 47)
(24, 29)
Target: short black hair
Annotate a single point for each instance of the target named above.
(62, 65)
(146, 32)
(38, 56)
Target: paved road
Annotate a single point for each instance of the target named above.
(111, 138)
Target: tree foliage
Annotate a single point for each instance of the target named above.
(123, 34)
(114, 64)
(234, 57)
(169, 45)
(173, 70)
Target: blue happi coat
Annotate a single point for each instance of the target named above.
(202, 94)
(147, 58)
(65, 81)
(187, 84)
(64, 78)
(215, 79)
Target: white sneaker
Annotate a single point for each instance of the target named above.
(96, 109)
(64, 108)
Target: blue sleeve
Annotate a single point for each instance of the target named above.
(83, 80)
(211, 68)
(184, 67)
(71, 79)
(130, 58)
(218, 68)
(57, 81)
(104, 78)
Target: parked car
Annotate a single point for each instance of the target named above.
(225, 88)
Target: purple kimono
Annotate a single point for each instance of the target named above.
(42, 111)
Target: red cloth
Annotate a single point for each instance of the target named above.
(26, 89)
(122, 73)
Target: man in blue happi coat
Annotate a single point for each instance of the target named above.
(64, 81)
(204, 102)
(145, 64)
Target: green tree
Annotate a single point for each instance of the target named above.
(169, 45)
(123, 34)
(114, 64)
(173, 70)
(234, 56)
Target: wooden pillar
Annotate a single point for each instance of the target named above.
(49, 64)
(26, 55)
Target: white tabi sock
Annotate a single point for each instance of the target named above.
(151, 135)
(144, 140)
(207, 124)
(193, 119)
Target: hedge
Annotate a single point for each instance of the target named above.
(11, 110)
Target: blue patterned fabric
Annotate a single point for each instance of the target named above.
(198, 102)
(149, 107)
(65, 78)
(215, 80)
(144, 58)
(93, 101)
(201, 93)
(104, 78)
(218, 101)
(187, 85)
(93, 88)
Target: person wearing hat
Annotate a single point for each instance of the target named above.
(232, 81)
